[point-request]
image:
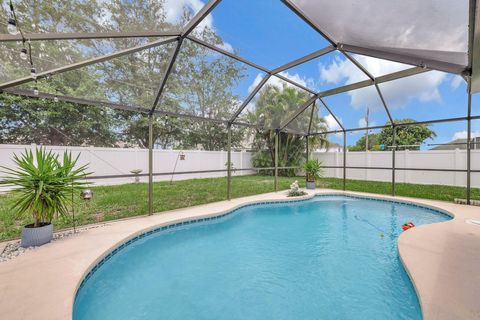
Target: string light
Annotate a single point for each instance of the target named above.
(23, 54)
(35, 90)
(33, 72)
(12, 27)
(56, 96)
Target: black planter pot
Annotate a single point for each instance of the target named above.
(36, 236)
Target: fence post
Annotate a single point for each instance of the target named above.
(367, 161)
(456, 164)
(229, 161)
(406, 164)
(241, 162)
(150, 164)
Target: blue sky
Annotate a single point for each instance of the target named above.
(268, 33)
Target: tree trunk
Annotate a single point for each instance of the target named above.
(37, 220)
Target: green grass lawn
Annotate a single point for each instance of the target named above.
(120, 201)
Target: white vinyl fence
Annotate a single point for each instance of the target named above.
(120, 161)
(433, 159)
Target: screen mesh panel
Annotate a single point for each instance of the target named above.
(430, 29)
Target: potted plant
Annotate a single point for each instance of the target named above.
(43, 185)
(313, 170)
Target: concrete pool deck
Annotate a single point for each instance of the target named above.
(442, 259)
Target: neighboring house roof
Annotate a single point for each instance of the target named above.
(452, 145)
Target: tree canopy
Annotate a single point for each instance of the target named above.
(407, 137)
(360, 145)
(201, 82)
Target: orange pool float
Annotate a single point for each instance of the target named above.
(407, 226)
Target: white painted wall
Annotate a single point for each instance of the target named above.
(438, 159)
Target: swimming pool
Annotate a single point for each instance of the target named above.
(330, 257)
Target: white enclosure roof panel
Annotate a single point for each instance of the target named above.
(433, 29)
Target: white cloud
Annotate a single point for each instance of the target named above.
(255, 82)
(174, 10)
(456, 82)
(362, 123)
(332, 124)
(226, 46)
(306, 82)
(423, 87)
(463, 135)
(339, 71)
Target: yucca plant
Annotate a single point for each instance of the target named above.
(43, 183)
(313, 169)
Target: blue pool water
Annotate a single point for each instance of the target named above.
(332, 257)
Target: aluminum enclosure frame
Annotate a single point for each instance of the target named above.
(345, 49)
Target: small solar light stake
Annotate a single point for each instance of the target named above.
(86, 194)
(35, 91)
(182, 156)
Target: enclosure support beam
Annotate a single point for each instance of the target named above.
(469, 145)
(250, 97)
(394, 147)
(227, 53)
(202, 14)
(384, 104)
(365, 83)
(407, 59)
(308, 131)
(344, 159)
(163, 82)
(85, 63)
(311, 119)
(150, 164)
(406, 124)
(277, 132)
(333, 115)
(298, 112)
(304, 59)
(229, 162)
(251, 64)
(46, 36)
(307, 149)
(369, 75)
(87, 102)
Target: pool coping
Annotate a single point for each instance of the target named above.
(64, 264)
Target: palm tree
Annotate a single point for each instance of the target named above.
(274, 105)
